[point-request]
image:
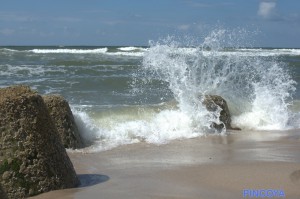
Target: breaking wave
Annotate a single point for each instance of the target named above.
(258, 90)
(70, 51)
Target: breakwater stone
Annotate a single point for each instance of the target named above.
(33, 159)
(63, 119)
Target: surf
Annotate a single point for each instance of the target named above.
(258, 89)
(69, 51)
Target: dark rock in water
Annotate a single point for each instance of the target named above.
(212, 103)
(63, 119)
(32, 157)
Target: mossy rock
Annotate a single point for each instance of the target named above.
(63, 119)
(32, 157)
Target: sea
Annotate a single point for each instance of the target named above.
(122, 95)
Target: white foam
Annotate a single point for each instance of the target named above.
(270, 109)
(29, 70)
(269, 52)
(257, 89)
(90, 131)
(132, 54)
(239, 52)
(160, 128)
(132, 48)
(7, 49)
(124, 52)
(70, 51)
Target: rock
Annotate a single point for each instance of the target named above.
(31, 151)
(2, 193)
(6, 175)
(212, 103)
(63, 119)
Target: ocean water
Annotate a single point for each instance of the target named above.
(126, 95)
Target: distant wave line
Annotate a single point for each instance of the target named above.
(139, 51)
(71, 51)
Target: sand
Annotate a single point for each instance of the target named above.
(211, 167)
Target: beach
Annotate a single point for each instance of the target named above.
(211, 167)
(140, 110)
(182, 99)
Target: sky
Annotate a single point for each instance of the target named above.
(274, 23)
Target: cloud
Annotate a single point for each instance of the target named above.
(184, 27)
(267, 9)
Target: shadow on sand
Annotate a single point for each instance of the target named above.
(87, 180)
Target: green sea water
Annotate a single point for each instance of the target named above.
(121, 95)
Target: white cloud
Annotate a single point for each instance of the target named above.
(267, 9)
(184, 27)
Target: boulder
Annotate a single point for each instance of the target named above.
(32, 157)
(2, 193)
(63, 119)
(212, 103)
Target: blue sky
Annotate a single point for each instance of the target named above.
(135, 22)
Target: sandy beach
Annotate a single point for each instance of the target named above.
(186, 99)
(209, 167)
(147, 146)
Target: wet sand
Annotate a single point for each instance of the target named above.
(212, 167)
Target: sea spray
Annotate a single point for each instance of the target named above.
(270, 105)
(257, 88)
(128, 126)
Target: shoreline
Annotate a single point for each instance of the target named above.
(209, 167)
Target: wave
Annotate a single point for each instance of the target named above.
(30, 70)
(70, 51)
(129, 125)
(132, 48)
(131, 54)
(131, 51)
(269, 52)
(258, 91)
(258, 52)
(237, 52)
(8, 49)
(140, 51)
